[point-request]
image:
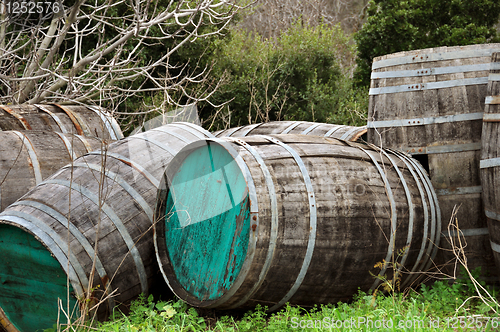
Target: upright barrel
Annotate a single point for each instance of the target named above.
(290, 218)
(76, 119)
(28, 157)
(490, 157)
(430, 103)
(89, 225)
(350, 133)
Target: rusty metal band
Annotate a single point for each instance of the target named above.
(274, 221)
(254, 217)
(248, 129)
(118, 179)
(394, 217)
(442, 148)
(53, 116)
(143, 136)
(311, 128)
(330, 132)
(466, 232)
(459, 191)
(73, 119)
(170, 132)
(494, 77)
(430, 71)
(312, 221)
(228, 133)
(348, 133)
(77, 234)
(84, 141)
(428, 86)
(32, 155)
(491, 100)
(292, 126)
(68, 145)
(426, 121)
(52, 246)
(491, 117)
(411, 210)
(21, 119)
(109, 121)
(205, 133)
(113, 217)
(418, 181)
(428, 57)
(127, 161)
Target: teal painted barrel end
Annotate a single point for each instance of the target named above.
(203, 223)
(31, 282)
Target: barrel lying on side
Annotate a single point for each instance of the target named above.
(90, 222)
(28, 157)
(290, 218)
(76, 119)
(349, 133)
(430, 103)
(490, 157)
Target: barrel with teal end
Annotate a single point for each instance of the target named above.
(95, 217)
(490, 157)
(35, 288)
(291, 218)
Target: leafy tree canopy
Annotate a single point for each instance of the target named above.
(395, 25)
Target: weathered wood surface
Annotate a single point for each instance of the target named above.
(110, 209)
(349, 133)
(75, 119)
(490, 154)
(434, 100)
(28, 157)
(315, 217)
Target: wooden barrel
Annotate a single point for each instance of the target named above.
(430, 103)
(75, 119)
(349, 133)
(290, 218)
(91, 223)
(490, 157)
(28, 157)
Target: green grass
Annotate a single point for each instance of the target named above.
(441, 306)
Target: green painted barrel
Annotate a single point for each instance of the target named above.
(88, 230)
(35, 288)
(290, 218)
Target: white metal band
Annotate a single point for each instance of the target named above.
(494, 77)
(113, 217)
(105, 119)
(32, 155)
(310, 128)
(426, 121)
(428, 86)
(249, 128)
(430, 71)
(69, 146)
(492, 215)
(312, 222)
(143, 136)
(428, 57)
(492, 100)
(442, 148)
(170, 132)
(459, 191)
(86, 143)
(495, 247)
(54, 117)
(330, 132)
(347, 134)
(291, 127)
(204, 133)
(228, 132)
(492, 162)
(274, 221)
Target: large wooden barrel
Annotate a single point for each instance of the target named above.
(349, 133)
(28, 157)
(90, 222)
(490, 157)
(75, 119)
(430, 103)
(290, 218)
